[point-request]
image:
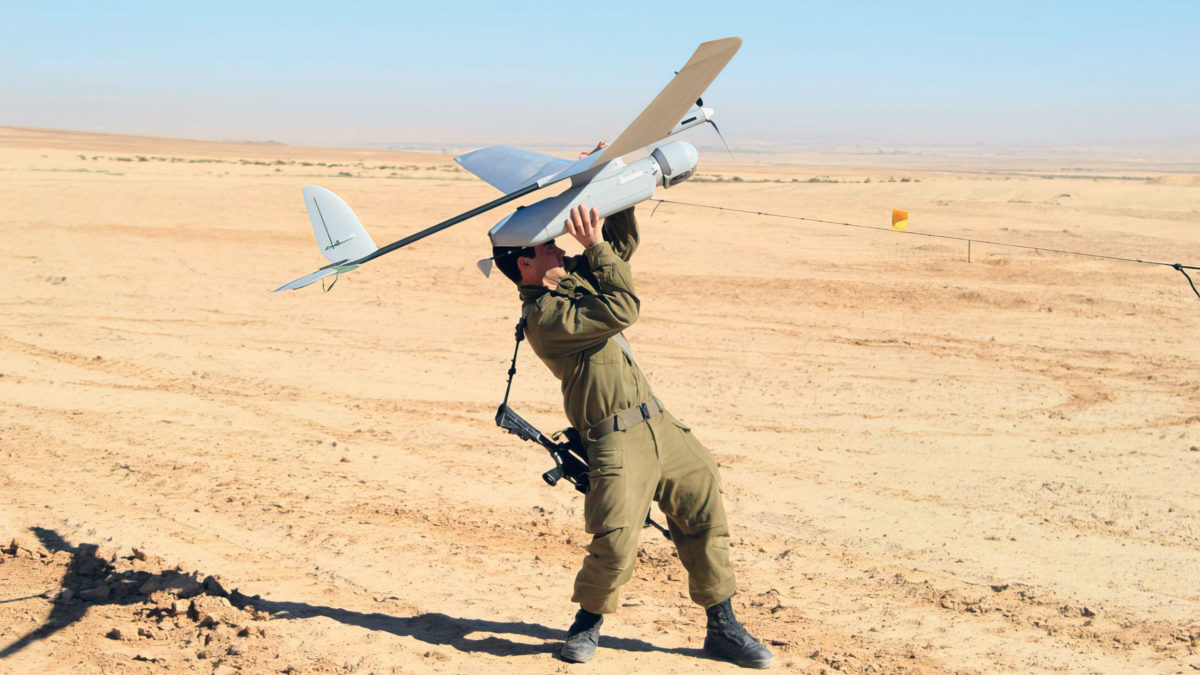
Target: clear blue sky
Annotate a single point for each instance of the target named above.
(552, 72)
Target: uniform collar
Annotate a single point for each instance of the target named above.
(530, 293)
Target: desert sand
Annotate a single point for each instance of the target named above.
(931, 464)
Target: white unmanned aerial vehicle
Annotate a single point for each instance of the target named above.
(601, 180)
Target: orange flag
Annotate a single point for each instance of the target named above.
(899, 220)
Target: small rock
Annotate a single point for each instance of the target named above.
(32, 548)
(235, 649)
(97, 594)
(214, 587)
(145, 632)
(114, 634)
(162, 602)
(152, 584)
(66, 595)
(182, 585)
(779, 643)
(138, 554)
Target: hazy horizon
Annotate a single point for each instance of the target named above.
(1069, 75)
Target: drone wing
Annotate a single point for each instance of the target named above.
(509, 169)
(680, 94)
(663, 115)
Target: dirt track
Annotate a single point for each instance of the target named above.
(931, 465)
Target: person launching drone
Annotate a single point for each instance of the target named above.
(574, 310)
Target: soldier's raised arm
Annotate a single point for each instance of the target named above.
(570, 324)
(621, 230)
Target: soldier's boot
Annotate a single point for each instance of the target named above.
(582, 637)
(728, 639)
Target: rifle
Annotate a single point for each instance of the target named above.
(570, 456)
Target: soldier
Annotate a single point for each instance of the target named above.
(575, 309)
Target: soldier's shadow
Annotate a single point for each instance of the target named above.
(81, 572)
(456, 633)
(86, 572)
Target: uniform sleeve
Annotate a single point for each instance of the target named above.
(567, 325)
(621, 230)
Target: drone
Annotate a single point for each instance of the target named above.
(603, 179)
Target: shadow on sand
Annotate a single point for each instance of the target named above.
(91, 580)
(440, 629)
(63, 614)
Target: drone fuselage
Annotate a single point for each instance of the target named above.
(616, 187)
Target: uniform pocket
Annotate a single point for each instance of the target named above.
(605, 456)
(607, 499)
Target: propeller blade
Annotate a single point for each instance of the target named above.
(720, 136)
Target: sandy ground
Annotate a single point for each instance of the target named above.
(931, 465)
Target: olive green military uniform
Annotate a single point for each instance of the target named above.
(575, 329)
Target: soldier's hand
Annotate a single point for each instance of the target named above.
(599, 146)
(584, 225)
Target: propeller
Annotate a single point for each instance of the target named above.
(700, 105)
(720, 136)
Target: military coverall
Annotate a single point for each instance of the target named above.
(576, 330)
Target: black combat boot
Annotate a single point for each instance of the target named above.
(728, 639)
(582, 637)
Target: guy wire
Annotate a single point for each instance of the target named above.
(1176, 266)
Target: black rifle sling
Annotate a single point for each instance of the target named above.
(512, 369)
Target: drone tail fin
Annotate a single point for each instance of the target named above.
(341, 238)
(340, 235)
